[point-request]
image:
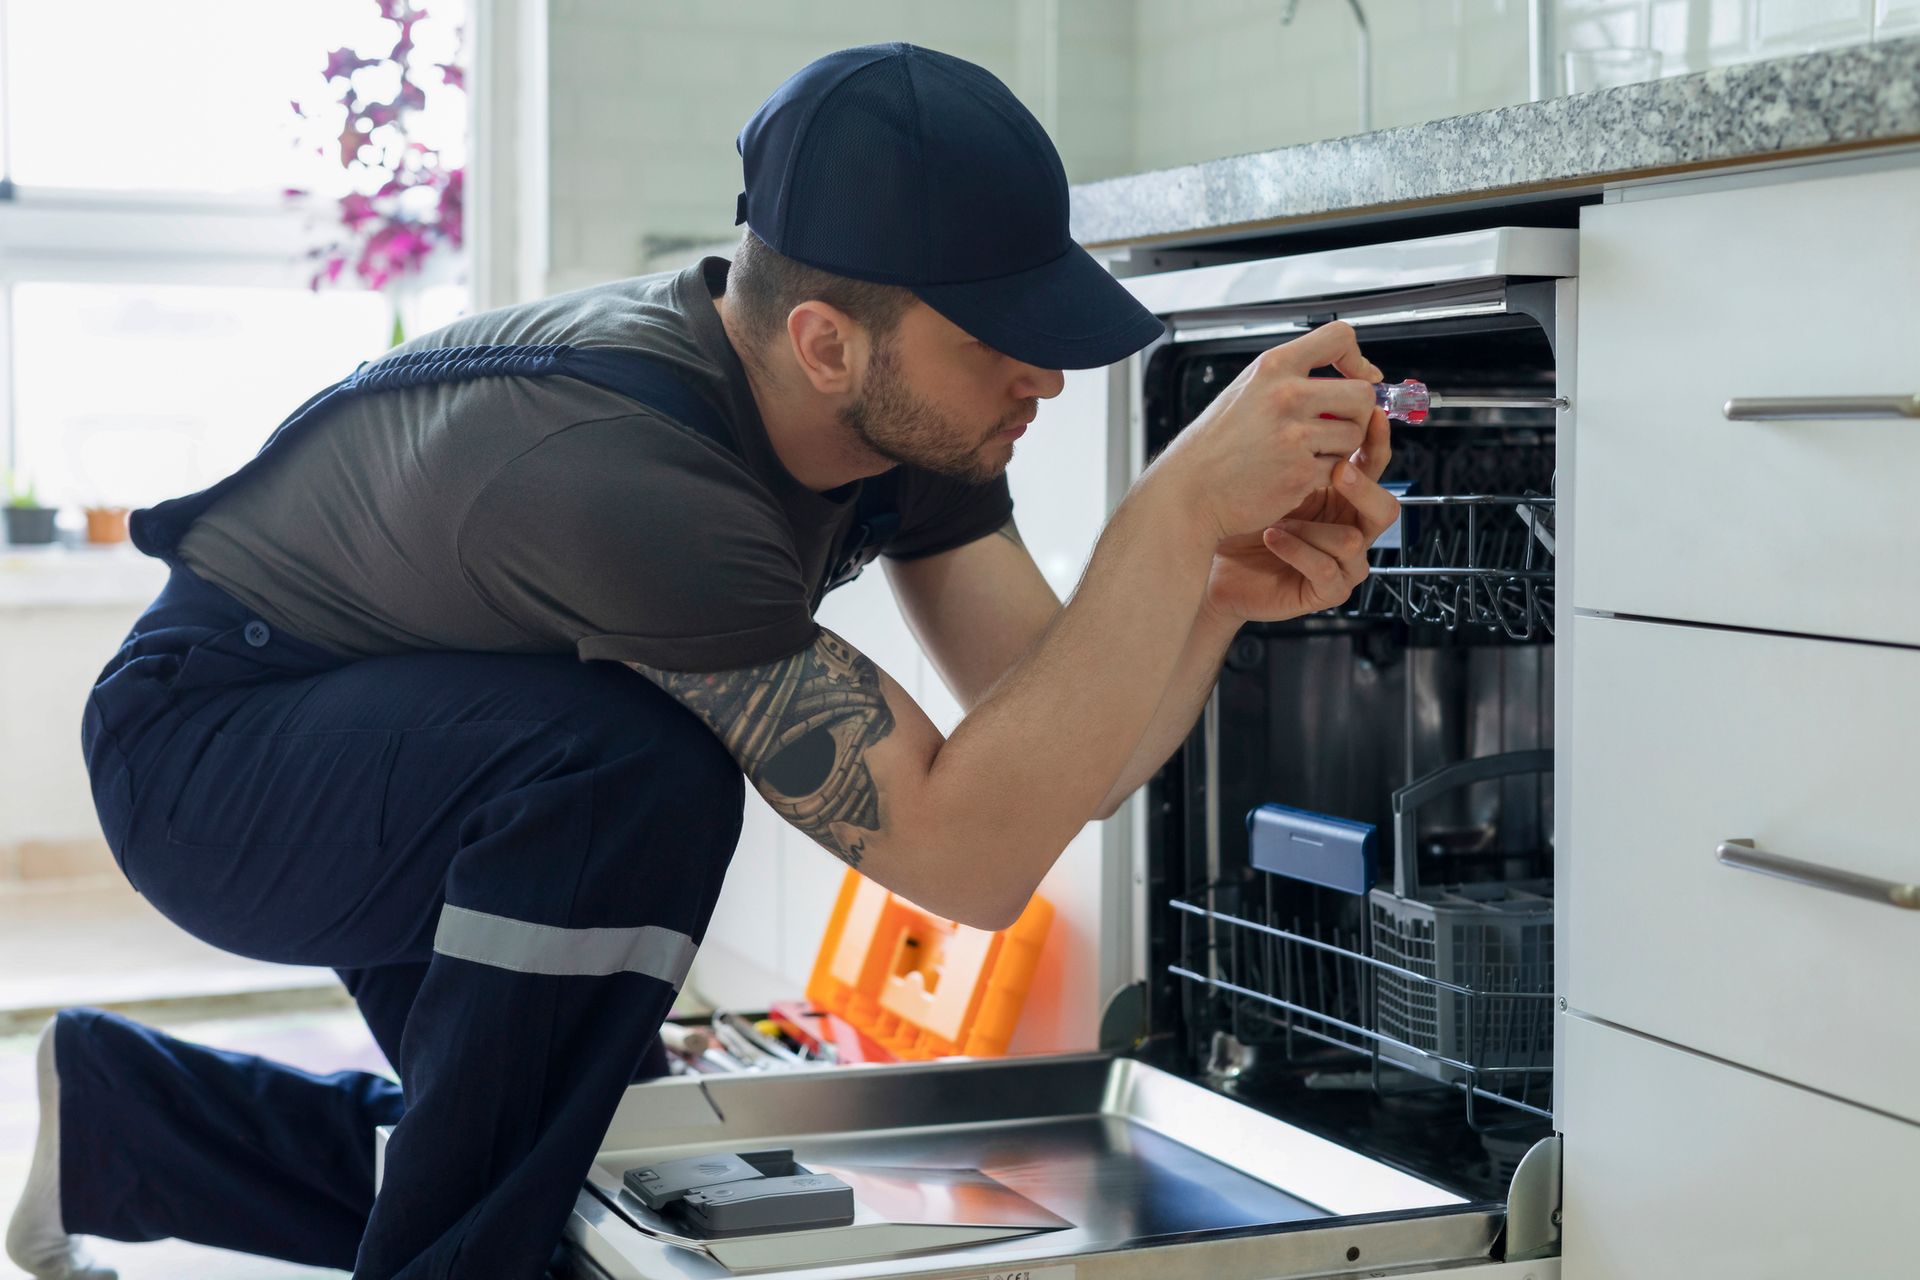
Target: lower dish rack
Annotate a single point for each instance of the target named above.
(1290, 988)
(1451, 982)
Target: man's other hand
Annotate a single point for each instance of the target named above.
(1314, 557)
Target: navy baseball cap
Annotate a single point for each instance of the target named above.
(905, 166)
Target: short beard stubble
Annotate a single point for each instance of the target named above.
(900, 426)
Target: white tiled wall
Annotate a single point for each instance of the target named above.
(1694, 35)
(647, 97)
(1219, 77)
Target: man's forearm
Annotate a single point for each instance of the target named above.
(1187, 692)
(1027, 767)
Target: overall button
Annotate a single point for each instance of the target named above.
(257, 633)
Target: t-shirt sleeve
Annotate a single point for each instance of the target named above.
(633, 540)
(938, 514)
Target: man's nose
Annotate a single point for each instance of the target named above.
(1043, 383)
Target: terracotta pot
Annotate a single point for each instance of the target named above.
(30, 526)
(106, 524)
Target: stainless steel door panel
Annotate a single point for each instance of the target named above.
(1143, 1166)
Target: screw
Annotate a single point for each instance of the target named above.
(1563, 1004)
(1556, 1217)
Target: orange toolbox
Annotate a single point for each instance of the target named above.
(919, 985)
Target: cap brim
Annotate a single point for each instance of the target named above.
(1065, 314)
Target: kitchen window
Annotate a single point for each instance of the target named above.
(156, 314)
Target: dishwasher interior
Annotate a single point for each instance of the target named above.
(1349, 863)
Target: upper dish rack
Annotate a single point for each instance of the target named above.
(1474, 547)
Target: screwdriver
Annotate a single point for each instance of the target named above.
(1410, 401)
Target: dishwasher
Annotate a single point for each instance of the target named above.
(1335, 1056)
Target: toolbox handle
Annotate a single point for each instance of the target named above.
(1407, 802)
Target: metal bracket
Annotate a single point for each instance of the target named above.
(1123, 1024)
(1533, 1203)
(1227, 1057)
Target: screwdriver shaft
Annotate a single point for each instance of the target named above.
(1497, 402)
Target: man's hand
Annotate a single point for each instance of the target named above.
(1314, 557)
(1273, 436)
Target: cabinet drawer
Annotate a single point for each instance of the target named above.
(1685, 737)
(1803, 288)
(1680, 1166)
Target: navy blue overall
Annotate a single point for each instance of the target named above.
(508, 859)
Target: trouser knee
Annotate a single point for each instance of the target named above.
(631, 819)
(673, 803)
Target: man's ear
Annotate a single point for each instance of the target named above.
(829, 345)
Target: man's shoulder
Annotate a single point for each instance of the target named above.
(634, 312)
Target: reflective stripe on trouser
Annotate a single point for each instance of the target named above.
(560, 827)
(526, 947)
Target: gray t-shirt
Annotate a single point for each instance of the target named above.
(546, 514)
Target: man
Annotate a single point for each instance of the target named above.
(454, 687)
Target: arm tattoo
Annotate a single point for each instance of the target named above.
(1011, 534)
(799, 727)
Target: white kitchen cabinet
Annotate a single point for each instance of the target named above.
(1685, 737)
(1805, 287)
(1735, 1070)
(1681, 1166)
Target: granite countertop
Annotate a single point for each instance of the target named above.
(1844, 98)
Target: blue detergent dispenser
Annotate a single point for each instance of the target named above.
(1313, 847)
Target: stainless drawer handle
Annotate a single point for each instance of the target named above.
(1742, 854)
(1789, 408)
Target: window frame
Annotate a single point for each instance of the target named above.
(83, 236)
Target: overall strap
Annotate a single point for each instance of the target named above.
(455, 364)
(654, 383)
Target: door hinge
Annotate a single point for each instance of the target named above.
(1533, 1203)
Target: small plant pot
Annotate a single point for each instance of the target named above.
(30, 526)
(106, 524)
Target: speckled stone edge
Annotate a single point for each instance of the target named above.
(1861, 94)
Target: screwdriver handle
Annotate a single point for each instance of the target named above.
(1404, 401)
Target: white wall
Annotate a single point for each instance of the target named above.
(1694, 35)
(62, 615)
(1222, 77)
(646, 98)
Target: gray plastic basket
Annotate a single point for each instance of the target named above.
(1479, 1009)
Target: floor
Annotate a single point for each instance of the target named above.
(315, 1039)
(99, 943)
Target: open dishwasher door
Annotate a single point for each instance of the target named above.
(1081, 1166)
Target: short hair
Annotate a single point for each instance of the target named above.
(767, 285)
